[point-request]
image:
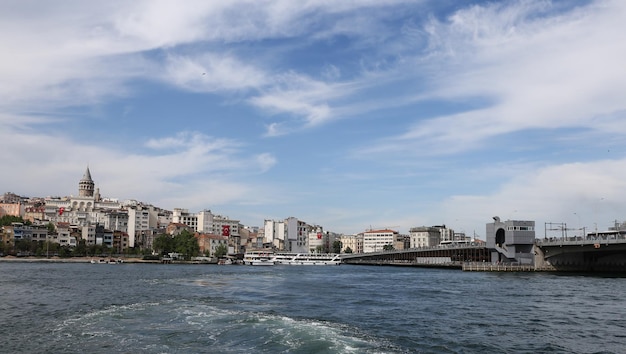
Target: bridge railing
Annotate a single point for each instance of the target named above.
(472, 245)
(582, 240)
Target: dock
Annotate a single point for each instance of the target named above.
(504, 267)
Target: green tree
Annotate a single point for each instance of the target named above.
(81, 249)
(51, 228)
(8, 219)
(348, 250)
(65, 251)
(387, 248)
(22, 246)
(163, 244)
(221, 250)
(337, 246)
(186, 244)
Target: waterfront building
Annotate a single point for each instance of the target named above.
(63, 235)
(296, 238)
(274, 233)
(208, 223)
(290, 235)
(120, 241)
(113, 219)
(6, 233)
(318, 241)
(182, 216)
(353, 242)
(376, 240)
(511, 240)
(208, 243)
(104, 236)
(18, 231)
(424, 236)
(12, 208)
(401, 242)
(88, 233)
(35, 214)
(175, 228)
(141, 218)
(445, 234)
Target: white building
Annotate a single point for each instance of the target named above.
(82, 210)
(88, 233)
(425, 236)
(206, 222)
(318, 241)
(141, 219)
(274, 233)
(182, 216)
(376, 240)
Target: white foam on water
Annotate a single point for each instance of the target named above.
(172, 326)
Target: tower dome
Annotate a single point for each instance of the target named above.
(86, 185)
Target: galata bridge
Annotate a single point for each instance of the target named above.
(511, 246)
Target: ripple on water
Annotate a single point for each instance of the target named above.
(194, 326)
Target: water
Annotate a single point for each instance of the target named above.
(147, 308)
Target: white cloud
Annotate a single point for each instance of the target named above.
(211, 72)
(579, 194)
(533, 69)
(189, 166)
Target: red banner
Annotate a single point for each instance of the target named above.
(319, 235)
(61, 210)
(225, 230)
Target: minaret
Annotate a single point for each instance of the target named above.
(86, 185)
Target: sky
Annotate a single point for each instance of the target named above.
(352, 115)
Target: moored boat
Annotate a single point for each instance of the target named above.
(258, 258)
(307, 258)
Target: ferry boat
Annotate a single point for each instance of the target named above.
(307, 258)
(258, 258)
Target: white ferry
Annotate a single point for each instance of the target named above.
(307, 259)
(258, 258)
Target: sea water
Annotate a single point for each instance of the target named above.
(150, 308)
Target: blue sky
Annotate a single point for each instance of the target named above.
(350, 115)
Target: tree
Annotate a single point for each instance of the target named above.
(337, 246)
(388, 248)
(51, 228)
(163, 244)
(186, 244)
(80, 249)
(348, 250)
(221, 250)
(8, 219)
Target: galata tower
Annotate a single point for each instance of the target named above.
(86, 185)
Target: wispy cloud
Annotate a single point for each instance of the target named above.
(533, 68)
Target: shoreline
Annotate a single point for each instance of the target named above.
(57, 259)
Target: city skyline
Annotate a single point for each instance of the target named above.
(355, 115)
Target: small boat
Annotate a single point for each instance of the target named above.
(258, 258)
(225, 261)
